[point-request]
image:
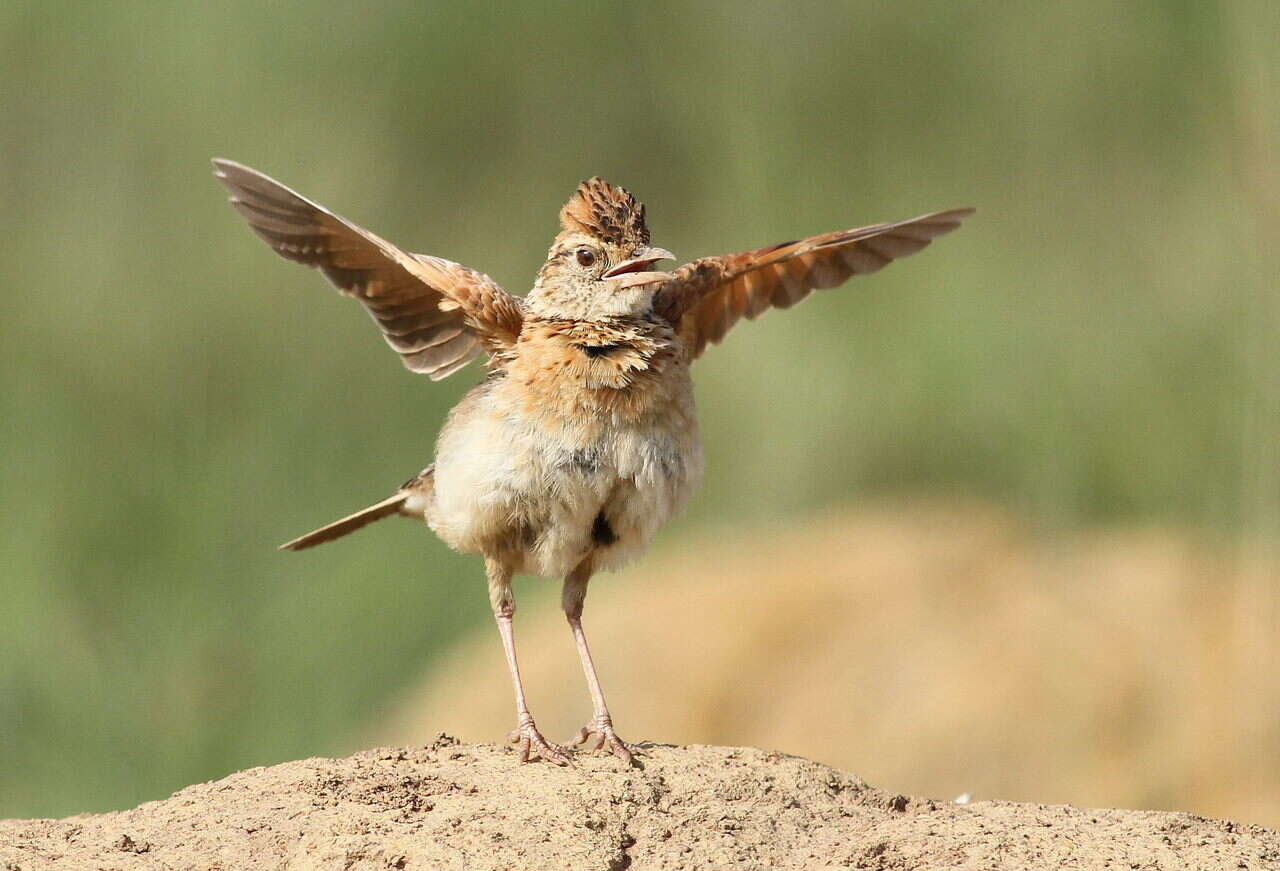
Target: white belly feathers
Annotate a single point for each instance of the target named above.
(546, 494)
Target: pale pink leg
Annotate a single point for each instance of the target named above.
(504, 609)
(601, 724)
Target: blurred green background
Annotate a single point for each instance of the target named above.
(1098, 344)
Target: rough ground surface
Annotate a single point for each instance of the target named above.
(457, 806)
(935, 647)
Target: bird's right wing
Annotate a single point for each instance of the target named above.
(436, 314)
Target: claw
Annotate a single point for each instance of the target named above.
(530, 741)
(605, 737)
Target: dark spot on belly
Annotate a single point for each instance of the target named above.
(602, 532)
(594, 351)
(523, 534)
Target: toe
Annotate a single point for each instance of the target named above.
(621, 750)
(552, 753)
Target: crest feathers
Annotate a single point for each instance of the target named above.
(609, 213)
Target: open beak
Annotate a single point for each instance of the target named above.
(636, 270)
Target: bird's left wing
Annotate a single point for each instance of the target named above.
(708, 296)
(436, 314)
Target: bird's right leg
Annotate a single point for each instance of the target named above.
(526, 734)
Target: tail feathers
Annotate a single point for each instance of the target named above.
(351, 523)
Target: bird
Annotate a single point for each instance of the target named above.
(581, 439)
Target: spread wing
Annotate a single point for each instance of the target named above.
(436, 314)
(708, 296)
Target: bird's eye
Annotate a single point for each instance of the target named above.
(586, 257)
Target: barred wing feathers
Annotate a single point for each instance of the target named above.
(436, 314)
(708, 296)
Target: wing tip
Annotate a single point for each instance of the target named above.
(303, 542)
(236, 176)
(957, 215)
(940, 223)
(224, 163)
(222, 167)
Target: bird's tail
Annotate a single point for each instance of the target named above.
(392, 505)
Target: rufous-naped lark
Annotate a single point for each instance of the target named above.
(581, 440)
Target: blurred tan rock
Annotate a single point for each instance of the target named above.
(940, 649)
(451, 806)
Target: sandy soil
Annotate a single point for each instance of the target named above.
(942, 649)
(456, 806)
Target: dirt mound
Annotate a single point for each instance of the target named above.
(456, 806)
(944, 649)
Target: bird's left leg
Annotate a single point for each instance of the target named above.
(572, 598)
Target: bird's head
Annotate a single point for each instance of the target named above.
(601, 263)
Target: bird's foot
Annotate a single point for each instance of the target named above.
(530, 741)
(602, 727)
